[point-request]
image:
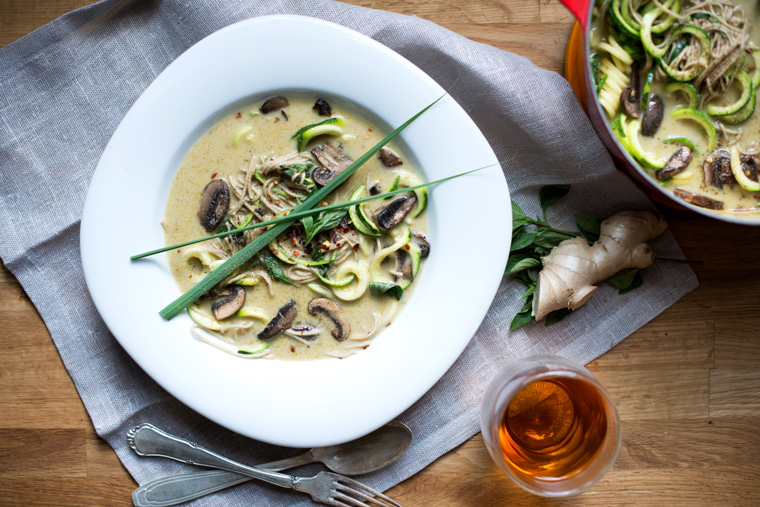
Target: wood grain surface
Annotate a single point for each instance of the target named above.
(687, 384)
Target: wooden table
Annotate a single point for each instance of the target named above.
(687, 384)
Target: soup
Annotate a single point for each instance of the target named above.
(327, 285)
(678, 81)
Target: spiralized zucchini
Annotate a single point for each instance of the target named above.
(358, 287)
(616, 66)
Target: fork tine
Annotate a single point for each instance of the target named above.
(376, 494)
(346, 500)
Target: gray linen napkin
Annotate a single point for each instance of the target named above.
(65, 88)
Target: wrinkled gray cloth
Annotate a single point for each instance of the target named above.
(65, 88)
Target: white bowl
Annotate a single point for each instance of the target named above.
(297, 404)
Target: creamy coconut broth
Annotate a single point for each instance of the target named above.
(699, 108)
(334, 304)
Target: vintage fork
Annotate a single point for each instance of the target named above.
(325, 487)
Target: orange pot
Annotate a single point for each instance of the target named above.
(578, 74)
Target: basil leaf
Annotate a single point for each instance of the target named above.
(589, 226)
(556, 316)
(523, 264)
(635, 284)
(549, 239)
(623, 279)
(389, 289)
(520, 320)
(626, 280)
(273, 267)
(522, 239)
(329, 220)
(551, 194)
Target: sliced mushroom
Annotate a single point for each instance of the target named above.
(389, 157)
(335, 313)
(675, 164)
(322, 107)
(390, 215)
(229, 306)
(284, 318)
(333, 163)
(274, 104)
(749, 166)
(629, 100)
(404, 265)
(375, 189)
(717, 169)
(215, 201)
(422, 243)
(304, 331)
(652, 119)
(698, 200)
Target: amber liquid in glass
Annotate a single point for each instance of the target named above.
(553, 428)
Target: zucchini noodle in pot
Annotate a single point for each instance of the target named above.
(678, 81)
(329, 284)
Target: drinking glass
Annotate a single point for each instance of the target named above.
(550, 425)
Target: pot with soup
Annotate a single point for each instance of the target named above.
(671, 87)
(329, 284)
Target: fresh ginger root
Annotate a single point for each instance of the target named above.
(573, 267)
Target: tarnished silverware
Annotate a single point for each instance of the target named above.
(361, 456)
(326, 487)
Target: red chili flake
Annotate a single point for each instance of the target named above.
(297, 253)
(365, 347)
(214, 175)
(277, 119)
(370, 130)
(292, 349)
(239, 115)
(337, 245)
(407, 246)
(388, 324)
(356, 247)
(277, 201)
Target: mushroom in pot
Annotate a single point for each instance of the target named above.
(652, 119)
(675, 164)
(284, 318)
(717, 169)
(234, 299)
(698, 199)
(215, 200)
(335, 313)
(305, 331)
(390, 215)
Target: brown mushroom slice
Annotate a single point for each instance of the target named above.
(422, 243)
(675, 164)
(322, 107)
(717, 169)
(389, 157)
(375, 189)
(284, 318)
(749, 166)
(390, 215)
(229, 306)
(335, 313)
(698, 199)
(304, 331)
(215, 201)
(333, 163)
(629, 101)
(652, 119)
(274, 104)
(404, 264)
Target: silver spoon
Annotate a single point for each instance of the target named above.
(361, 456)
